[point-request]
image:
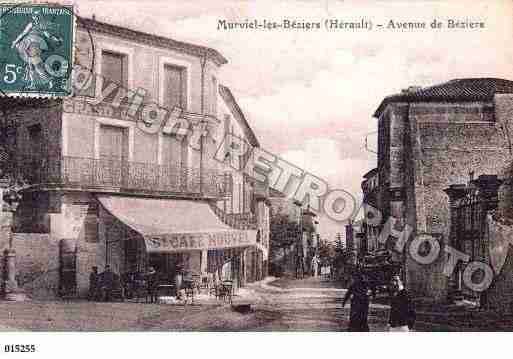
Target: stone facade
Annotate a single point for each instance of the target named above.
(424, 147)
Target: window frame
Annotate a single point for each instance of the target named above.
(169, 61)
(99, 121)
(116, 49)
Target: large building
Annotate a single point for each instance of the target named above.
(432, 141)
(107, 186)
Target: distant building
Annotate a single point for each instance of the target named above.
(369, 228)
(306, 243)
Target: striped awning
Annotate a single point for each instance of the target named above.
(169, 225)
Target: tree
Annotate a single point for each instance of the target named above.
(327, 253)
(283, 233)
(342, 260)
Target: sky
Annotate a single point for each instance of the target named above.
(310, 95)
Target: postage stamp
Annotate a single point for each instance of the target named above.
(36, 49)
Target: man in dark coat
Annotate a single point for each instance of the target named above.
(402, 308)
(359, 294)
(106, 282)
(152, 282)
(93, 284)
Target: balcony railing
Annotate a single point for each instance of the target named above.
(123, 176)
(236, 220)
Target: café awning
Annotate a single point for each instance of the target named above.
(169, 225)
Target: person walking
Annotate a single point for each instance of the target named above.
(359, 294)
(402, 308)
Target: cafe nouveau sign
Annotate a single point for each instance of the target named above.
(174, 242)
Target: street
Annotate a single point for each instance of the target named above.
(307, 305)
(275, 308)
(277, 305)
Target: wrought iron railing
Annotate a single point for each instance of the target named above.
(236, 220)
(123, 176)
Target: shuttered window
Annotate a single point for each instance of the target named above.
(113, 142)
(175, 86)
(114, 67)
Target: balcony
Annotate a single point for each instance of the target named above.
(236, 220)
(115, 175)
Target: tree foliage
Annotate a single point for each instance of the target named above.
(283, 231)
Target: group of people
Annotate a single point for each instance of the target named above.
(402, 309)
(101, 285)
(106, 285)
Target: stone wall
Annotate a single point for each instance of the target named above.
(454, 139)
(500, 238)
(431, 146)
(37, 261)
(48, 115)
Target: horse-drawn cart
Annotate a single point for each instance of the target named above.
(379, 270)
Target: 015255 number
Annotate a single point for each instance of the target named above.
(19, 348)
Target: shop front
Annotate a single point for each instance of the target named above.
(176, 237)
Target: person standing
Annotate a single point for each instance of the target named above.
(106, 284)
(151, 280)
(93, 284)
(359, 294)
(402, 308)
(315, 265)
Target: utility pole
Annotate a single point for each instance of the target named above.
(299, 241)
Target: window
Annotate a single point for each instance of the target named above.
(113, 151)
(113, 142)
(175, 87)
(35, 139)
(114, 67)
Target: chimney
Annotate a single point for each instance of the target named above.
(411, 89)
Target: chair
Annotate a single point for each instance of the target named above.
(204, 283)
(225, 291)
(189, 286)
(196, 280)
(141, 289)
(165, 289)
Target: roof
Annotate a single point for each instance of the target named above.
(228, 97)
(275, 193)
(150, 39)
(371, 173)
(458, 90)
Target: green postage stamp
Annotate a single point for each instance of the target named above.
(36, 50)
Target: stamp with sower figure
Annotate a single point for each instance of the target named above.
(36, 50)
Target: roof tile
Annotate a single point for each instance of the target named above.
(469, 89)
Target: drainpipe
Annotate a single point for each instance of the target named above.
(203, 65)
(204, 252)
